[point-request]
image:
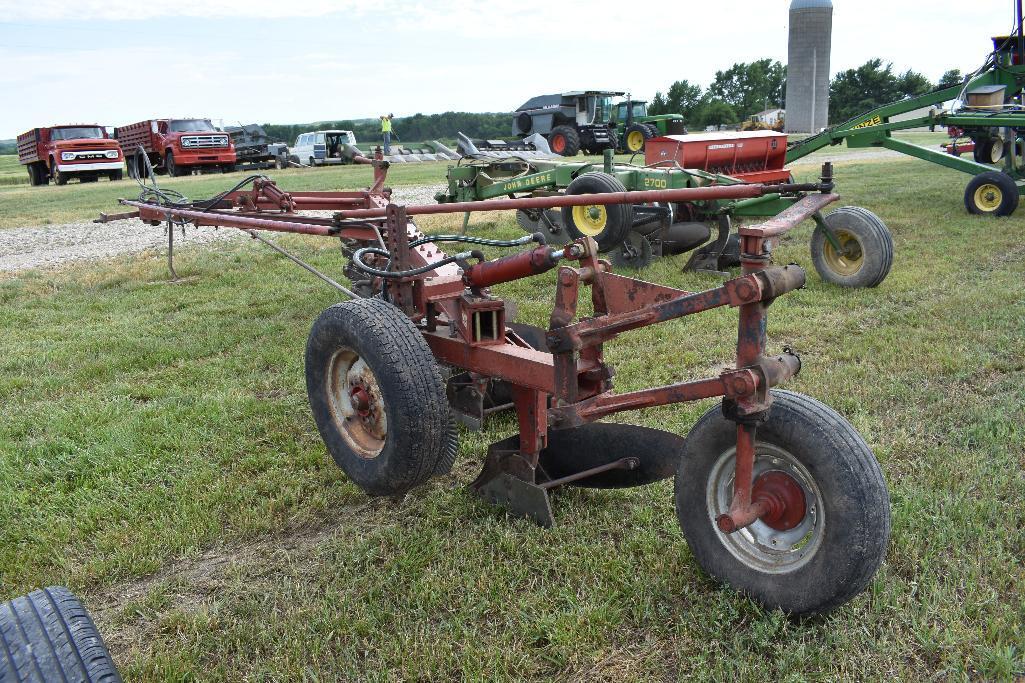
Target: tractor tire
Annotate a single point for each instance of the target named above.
(653, 130)
(866, 253)
(637, 135)
(613, 142)
(48, 635)
(830, 550)
(993, 193)
(564, 141)
(378, 397)
(607, 224)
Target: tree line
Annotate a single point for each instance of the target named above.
(747, 88)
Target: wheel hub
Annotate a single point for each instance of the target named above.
(849, 259)
(357, 404)
(988, 197)
(590, 220)
(785, 499)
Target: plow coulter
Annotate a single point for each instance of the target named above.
(776, 493)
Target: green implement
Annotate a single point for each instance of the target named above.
(988, 110)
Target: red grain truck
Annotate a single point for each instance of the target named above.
(85, 152)
(176, 146)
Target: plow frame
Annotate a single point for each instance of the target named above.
(568, 383)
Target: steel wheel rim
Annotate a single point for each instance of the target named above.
(357, 406)
(590, 220)
(851, 257)
(558, 143)
(759, 546)
(635, 140)
(988, 197)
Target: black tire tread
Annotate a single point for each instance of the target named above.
(572, 140)
(54, 638)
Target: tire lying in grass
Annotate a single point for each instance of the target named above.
(866, 248)
(378, 397)
(992, 194)
(815, 562)
(48, 635)
(608, 224)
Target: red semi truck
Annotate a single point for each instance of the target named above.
(64, 152)
(176, 146)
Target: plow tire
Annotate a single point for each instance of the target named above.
(404, 381)
(607, 224)
(993, 193)
(868, 248)
(564, 141)
(835, 550)
(48, 635)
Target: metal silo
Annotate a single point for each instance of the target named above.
(807, 105)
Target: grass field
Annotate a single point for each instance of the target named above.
(157, 456)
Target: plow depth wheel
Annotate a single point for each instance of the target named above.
(607, 224)
(377, 397)
(828, 531)
(993, 193)
(863, 252)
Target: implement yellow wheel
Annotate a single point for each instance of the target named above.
(992, 194)
(590, 220)
(988, 197)
(635, 141)
(849, 259)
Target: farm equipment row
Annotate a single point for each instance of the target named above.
(776, 493)
(850, 246)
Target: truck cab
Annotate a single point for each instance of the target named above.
(60, 153)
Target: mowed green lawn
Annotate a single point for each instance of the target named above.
(157, 455)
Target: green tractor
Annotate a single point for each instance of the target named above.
(634, 127)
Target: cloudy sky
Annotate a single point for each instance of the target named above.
(118, 61)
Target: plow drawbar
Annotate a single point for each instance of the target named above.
(776, 493)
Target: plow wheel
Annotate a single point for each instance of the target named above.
(378, 397)
(863, 249)
(992, 193)
(826, 533)
(634, 253)
(608, 224)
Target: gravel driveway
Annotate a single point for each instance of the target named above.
(49, 246)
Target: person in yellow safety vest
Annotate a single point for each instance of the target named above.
(386, 132)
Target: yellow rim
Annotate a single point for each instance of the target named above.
(635, 140)
(988, 197)
(590, 220)
(849, 259)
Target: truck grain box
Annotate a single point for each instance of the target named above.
(78, 151)
(176, 146)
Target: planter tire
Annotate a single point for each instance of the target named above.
(607, 224)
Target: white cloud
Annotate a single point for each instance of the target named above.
(115, 10)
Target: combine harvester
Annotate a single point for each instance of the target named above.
(987, 108)
(850, 246)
